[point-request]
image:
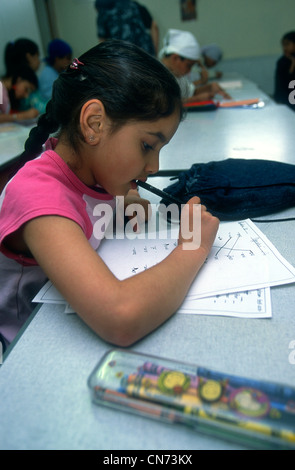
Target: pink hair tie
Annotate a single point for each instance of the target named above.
(75, 64)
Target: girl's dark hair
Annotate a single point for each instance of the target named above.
(131, 84)
(15, 54)
(289, 36)
(24, 73)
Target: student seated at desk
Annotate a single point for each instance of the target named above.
(58, 58)
(114, 109)
(19, 85)
(24, 52)
(180, 53)
(211, 55)
(285, 70)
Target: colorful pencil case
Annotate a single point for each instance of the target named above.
(208, 105)
(254, 413)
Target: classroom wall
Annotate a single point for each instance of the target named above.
(243, 28)
(17, 19)
(249, 31)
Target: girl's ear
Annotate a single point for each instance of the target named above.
(92, 118)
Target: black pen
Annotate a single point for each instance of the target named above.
(158, 192)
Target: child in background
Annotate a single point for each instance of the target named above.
(14, 88)
(212, 55)
(21, 53)
(114, 109)
(180, 53)
(25, 53)
(285, 70)
(58, 58)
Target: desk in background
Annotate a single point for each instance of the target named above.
(12, 139)
(265, 133)
(44, 399)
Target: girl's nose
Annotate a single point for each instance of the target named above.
(152, 165)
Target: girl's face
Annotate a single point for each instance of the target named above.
(22, 88)
(33, 61)
(61, 63)
(131, 153)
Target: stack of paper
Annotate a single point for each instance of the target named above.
(235, 280)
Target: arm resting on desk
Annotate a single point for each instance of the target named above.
(121, 312)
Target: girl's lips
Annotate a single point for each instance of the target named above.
(133, 185)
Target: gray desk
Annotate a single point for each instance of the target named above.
(264, 133)
(44, 400)
(12, 139)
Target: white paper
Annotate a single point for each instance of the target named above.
(250, 304)
(234, 280)
(241, 259)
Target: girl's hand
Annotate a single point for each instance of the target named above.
(143, 213)
(198, 227)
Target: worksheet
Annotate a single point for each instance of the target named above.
(241, 259)
(235, 279)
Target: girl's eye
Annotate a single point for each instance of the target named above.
(147, 146)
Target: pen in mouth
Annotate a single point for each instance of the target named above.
(159, 192)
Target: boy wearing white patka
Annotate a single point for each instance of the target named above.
(181, 51)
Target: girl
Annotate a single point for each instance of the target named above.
(15, 87)
(114, 109)
(21, 53)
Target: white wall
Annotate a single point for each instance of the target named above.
(249, 31)
(17, 19)
(243, 28)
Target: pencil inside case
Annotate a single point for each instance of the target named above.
(255, 414)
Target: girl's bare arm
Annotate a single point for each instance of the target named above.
(121, 312)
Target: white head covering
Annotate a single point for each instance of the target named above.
(212, 51)
(182, 43)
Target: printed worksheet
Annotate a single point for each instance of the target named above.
(235, 279)
(241, 259)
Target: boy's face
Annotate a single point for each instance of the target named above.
(61, 63)
(182, 66)
(288, 47)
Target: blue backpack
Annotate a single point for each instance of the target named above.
(236, 189)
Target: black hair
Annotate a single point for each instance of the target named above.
(23, 73)
(132, 85)
(289, 36)
(15, 54)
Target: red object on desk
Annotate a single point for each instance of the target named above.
(212, 105)
(208, 105)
